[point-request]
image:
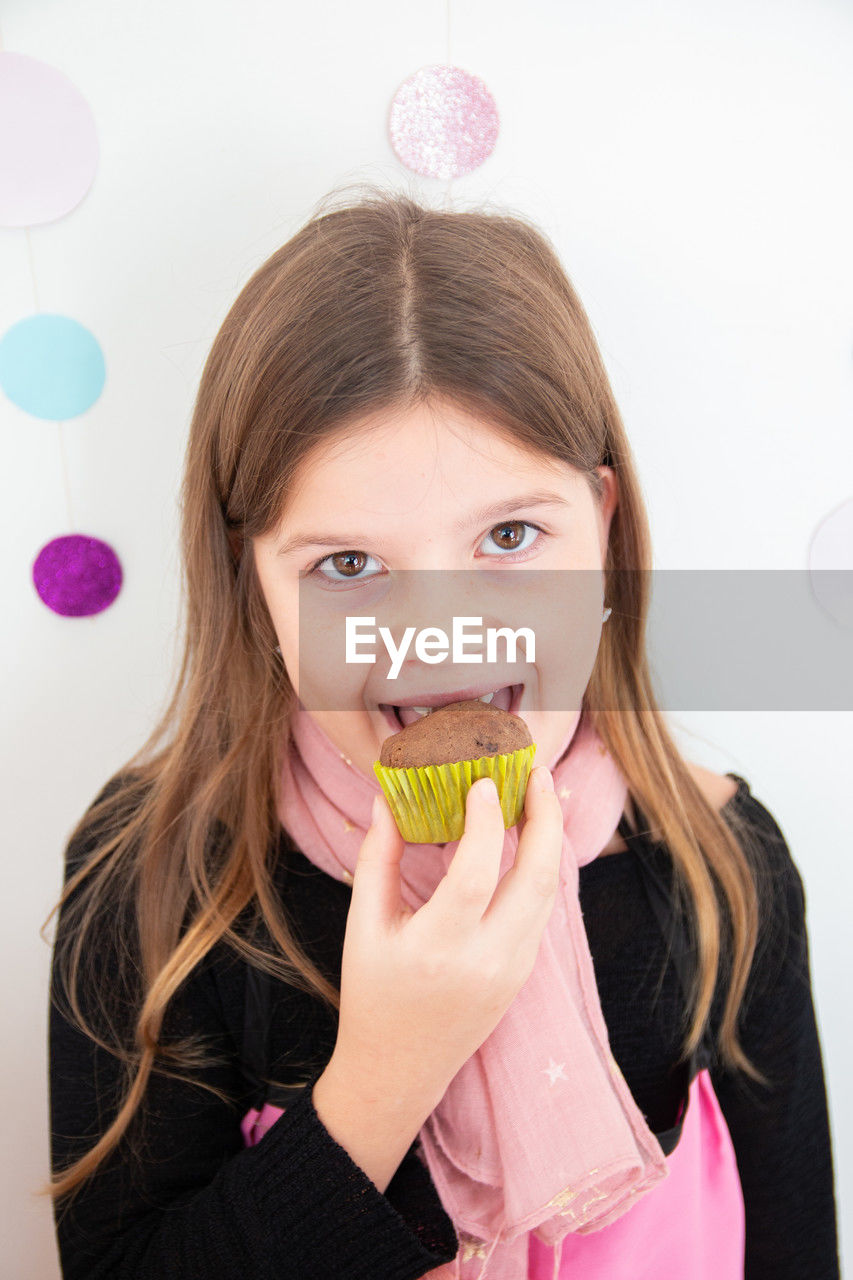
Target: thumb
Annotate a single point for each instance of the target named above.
(376, 880)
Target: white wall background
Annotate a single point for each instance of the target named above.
(691, 162)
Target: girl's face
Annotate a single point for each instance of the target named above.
(433, 489)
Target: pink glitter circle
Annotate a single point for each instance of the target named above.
(444, 122)
(77, 576)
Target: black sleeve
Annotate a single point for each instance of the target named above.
(780, 1131)
(199, 1205)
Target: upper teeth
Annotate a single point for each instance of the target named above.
(425, 711)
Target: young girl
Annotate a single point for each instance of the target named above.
(283, 1043)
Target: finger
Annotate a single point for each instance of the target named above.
(376, 896)
(525, 896)
(466, 890)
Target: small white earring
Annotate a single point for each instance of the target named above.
(606, 615)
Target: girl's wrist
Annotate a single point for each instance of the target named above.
(375, 1125)
(384, 1086)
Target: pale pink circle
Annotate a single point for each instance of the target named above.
(444, 122)
(48, 142)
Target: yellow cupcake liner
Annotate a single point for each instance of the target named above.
(428, 803)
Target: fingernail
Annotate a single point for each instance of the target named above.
(377, 808)
(487, 791)
(544, 779)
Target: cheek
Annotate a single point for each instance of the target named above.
(314, 657)
(282, 602)
(283, 606)
(563, 609)
(563, 668)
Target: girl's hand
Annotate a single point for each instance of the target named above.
(422, 990)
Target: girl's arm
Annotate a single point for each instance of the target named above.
(198, 1205)
(781, 1133)
(298, 1205)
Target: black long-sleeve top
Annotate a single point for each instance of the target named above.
(200, 1206)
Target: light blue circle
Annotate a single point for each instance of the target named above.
(51, 366)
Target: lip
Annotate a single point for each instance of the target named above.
(444, 699)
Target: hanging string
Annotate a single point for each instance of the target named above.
(63, 457)
(63, 460)
(448, 198)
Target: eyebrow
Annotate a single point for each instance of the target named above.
(494, 511)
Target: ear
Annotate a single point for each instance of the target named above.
(608, 503)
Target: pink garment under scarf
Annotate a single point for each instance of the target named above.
(691, 1228)
(538, 1129)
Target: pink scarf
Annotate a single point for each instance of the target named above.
(538, 1129)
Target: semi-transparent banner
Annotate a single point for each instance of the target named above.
(716, 640)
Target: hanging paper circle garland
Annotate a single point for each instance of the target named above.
(51, 366)
(831, 564)
(444, 122)
(48, 142)
(77, 576)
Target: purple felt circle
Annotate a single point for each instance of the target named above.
(77, 576)
(444, 122)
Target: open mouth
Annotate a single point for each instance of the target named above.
(506, 698)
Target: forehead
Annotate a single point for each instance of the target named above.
(424, 451)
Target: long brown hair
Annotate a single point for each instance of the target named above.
(376, 302)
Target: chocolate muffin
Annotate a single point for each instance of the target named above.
(427, 769)
(458, 731)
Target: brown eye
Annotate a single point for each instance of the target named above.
(346, 566)
(509, 536)
(349, 563)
